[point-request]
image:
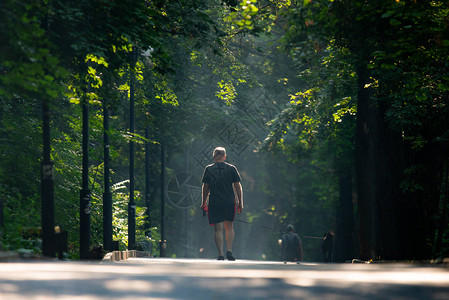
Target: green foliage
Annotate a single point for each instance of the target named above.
(195, 65)
(29, 65)
(400, 46)
(120, 224)
(320, 118)
(83, 49)
(226, 92)
(241, 16)
(20, 170)
(22, 222)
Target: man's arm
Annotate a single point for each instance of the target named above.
(239, 193)
(205, 193)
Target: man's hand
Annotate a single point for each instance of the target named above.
(205, 194)
(240, 207)
(239, 193)
(204, 206)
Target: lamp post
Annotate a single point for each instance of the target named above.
(107, 195)
(47, 187)
(131, 204)
(85, 205)
(147, 184)
(163, 244)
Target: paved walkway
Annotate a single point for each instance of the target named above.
(156, 278)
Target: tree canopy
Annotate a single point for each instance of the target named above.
(335, 112)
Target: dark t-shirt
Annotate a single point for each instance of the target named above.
(290, 244)
(220, 177)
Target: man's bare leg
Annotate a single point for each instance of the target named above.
(229, 229)
(218, 237)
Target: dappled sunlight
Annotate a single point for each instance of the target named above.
(138, 285)
(78, 281)
(8, 288)
(211, 279)
(348, 278)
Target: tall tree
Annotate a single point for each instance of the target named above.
(393, 65)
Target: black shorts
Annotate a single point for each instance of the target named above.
(221, 212)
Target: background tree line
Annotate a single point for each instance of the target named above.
(359, 144)
(379, 69)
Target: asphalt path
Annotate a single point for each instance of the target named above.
(157, 278)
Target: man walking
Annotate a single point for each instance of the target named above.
(291, 247)
(221, 184)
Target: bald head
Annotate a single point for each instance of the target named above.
(219, 154)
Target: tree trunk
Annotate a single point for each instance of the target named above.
(442, 222)
(344, 235)
(365, 167)
(418, 223)
(389, 176)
